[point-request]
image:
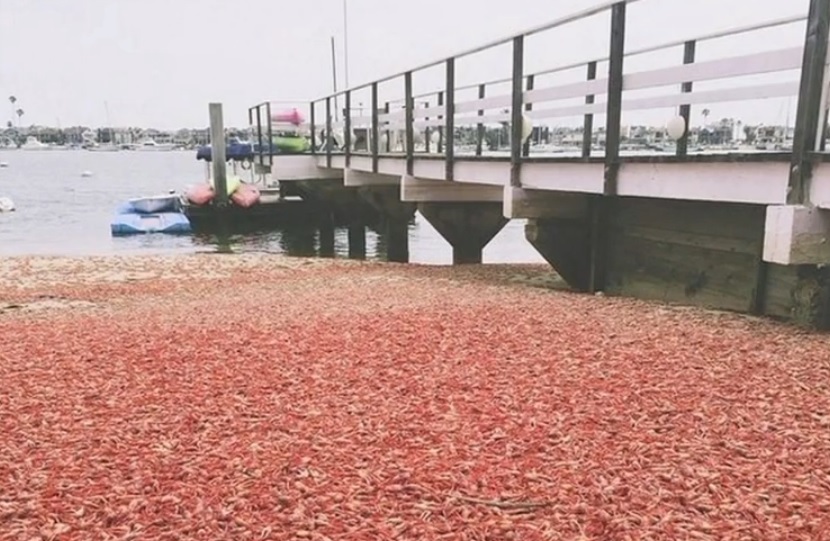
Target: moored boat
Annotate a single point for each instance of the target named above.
(231, 183)
(133, 223)
(245, 196)
(199, 194)
(156, 203)
(290, 116)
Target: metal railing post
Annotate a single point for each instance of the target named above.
(480, 126)
(409, 131)
(347, 127)
(613, 126)
(374, 133)
(440, 127)
(449, 108)
(270, 132)
(528, 107)
(516, 112)
(588, 122)
(312, 127)
(329, 139)
(686, 109)
(387, 147)
(809, 131)
(427, 132)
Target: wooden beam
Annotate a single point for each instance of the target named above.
(353, 178)
(525, 204)
(797, 235)
(418, 190)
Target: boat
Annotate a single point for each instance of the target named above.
(231, 183)
(6, 204)
(245, 196)
(291, 144)
(133, 223)
(199, 194)
(290, 116)
(156, 203)
(149, 145)
(32, 143)
(234, 151)
(103, 147)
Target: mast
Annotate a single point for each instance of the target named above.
(346, 42)
(334, 76)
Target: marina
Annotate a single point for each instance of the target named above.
(723, 224)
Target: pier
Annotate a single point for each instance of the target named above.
(742, 231)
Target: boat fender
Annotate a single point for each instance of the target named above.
(6, 205)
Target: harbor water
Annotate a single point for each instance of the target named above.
(61, 212)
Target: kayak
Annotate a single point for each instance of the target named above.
(199, 194)
(232, 183)
(247, 195)
(291, 116)
(291, 144)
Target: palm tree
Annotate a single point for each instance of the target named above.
(705, 114)
(19, 114)
(13, 100)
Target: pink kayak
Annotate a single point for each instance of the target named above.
(200, 194)
(247, 195)
(291, 116)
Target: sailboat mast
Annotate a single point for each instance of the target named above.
(334, 75)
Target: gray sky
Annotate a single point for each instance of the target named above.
(159, 62)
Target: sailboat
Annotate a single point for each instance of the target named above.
(106, 147)
(32, 143)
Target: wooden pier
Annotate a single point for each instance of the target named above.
(744, 231)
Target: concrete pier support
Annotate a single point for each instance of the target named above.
(357, 241)
(468, 227)
(327, 235)
(395, 218)
(559, 226)
(565, 244)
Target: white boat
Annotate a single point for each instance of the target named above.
(150, 145)
(103, 147)
(32, 143)
(156, 203)
(6, 204)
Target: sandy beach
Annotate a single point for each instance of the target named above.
(264, 397)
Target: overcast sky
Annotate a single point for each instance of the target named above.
(159, 62)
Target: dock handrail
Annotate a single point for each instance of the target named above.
(518, 106)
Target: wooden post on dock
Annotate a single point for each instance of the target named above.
(217, 141)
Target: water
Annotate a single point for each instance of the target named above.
(59, 212)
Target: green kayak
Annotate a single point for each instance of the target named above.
(291, 144)
(232, 181)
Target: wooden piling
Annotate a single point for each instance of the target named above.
(217, 140)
